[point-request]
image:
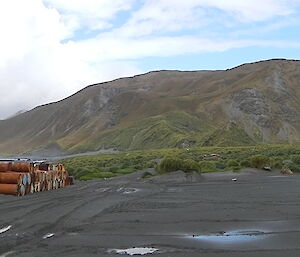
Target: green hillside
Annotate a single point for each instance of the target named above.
(256, 103)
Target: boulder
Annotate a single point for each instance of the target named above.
(286, 171)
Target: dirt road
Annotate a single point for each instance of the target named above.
(256, 215)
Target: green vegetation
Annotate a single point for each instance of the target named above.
(294, 167)
(170, 164)
(295, 159)
(170, 129)
(206, 166)
(276, 164)
(232, 163)
(193, 159)
(220, 165)
(245, 163)
(230, 135)
(108, 165)
(147, 174)
(259, 161)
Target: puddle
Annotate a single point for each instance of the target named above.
(3, 230)
(130, 190)
(232, 237)
(135, 251)
(49, 235)
(248, 239)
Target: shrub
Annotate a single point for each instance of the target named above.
(71, 170)
(220, 165)
(237, 156)
(113, 169)
(138, 166)
(125, 171)
(296, 159)
(277, 164)
(79, 172)
(292, 166)
(259, 161)
(170, 164)
(207, 166)
(236, 168)
(245, 163)
(190, 165)
(150, 164)
(124, 165)
(232, 163)
(147, 174)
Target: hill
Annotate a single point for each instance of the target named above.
(250, 104)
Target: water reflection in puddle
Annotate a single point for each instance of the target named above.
(134, 251)
(131, 190)
(232, 237)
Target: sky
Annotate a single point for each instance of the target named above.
(50, 49)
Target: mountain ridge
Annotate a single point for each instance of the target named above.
(248, 104)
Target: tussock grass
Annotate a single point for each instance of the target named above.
(167, 160)
(170, 164)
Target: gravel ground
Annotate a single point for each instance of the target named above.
(256, 215)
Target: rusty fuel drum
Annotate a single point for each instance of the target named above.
(20, 178)
(5, 166)
(12, 189)
(10, 178)
(22, 166)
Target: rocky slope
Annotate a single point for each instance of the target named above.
(249, 104)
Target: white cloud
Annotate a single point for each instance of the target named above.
(35, 66)
(157, 16)
(108, 49)
(42, 59)
(92, 14)
(254, 10)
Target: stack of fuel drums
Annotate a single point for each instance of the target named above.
(20, 178)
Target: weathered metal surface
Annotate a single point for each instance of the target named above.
(22, 166)
(5, 166)
(10, 178)
(12, 189)
(20, 178)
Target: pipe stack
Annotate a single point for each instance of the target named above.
(20, 178)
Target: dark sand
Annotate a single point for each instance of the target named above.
(258, 215)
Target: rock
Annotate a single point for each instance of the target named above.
(212, 157)
(286, 171)
(267, 168)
